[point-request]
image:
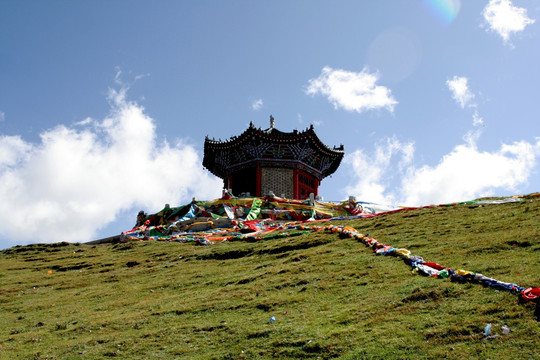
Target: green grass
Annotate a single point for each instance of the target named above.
(331, 297)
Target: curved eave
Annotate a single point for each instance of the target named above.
(209, 160)
(213, 147)
(332, 169)
(275, 136)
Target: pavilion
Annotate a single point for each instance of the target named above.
(260, 162)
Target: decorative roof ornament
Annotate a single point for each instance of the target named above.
(272, 122)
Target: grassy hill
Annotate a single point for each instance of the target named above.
(331, 297)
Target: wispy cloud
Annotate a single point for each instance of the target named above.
(477, 119)
(257, 104)
(77, 179)
(461, 93)
(504, 18)
(373, 172)
(2, 116)
(352, 91)
(459, 87)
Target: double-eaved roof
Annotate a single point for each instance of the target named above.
(271, 147)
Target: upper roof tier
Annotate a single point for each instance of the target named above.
(272, 148)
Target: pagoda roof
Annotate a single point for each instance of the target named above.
(272, 146)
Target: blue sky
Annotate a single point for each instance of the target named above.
(104, 105)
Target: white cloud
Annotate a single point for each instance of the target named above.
(372, 172)
(352, 91)
(504, 18)
(78, 179)
(84, 122)
(2, 116)
(12, 150)
(477, 119)
(459, 87)
(465, 173)
(257, 104)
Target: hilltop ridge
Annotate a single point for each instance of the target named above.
(329, 296)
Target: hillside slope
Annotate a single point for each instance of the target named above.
(330, 297)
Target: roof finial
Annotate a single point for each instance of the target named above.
(272, 122)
